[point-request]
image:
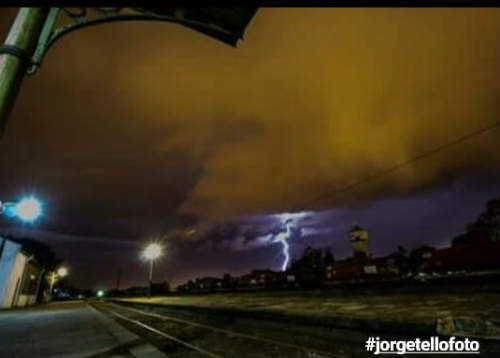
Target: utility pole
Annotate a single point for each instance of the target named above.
(118, 279)
(15, 56)
(150, 290)
(52, 281)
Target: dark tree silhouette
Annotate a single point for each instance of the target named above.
(486, 226)
(329, 258)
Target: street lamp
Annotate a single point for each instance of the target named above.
(62, 271)
(33, 33)
(27, 209)
(55, 276)
(151, 252)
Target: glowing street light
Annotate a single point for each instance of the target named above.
(55, 276)
(151, 252)
(62, 271)
(27, 209)
(100, 293)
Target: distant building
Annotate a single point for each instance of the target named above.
(309, 270)
(160, 288)
(361, 265)
(344, 270)
(20, 276)
(261, 279)
(358, 238)
(478, 250)
(136, 291)
(391, 266)
(228, 282)
(187, 287)
(208, 283)
(478, 254)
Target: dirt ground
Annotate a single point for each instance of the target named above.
(415, 306)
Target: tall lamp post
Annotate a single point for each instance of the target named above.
(34, 32)
(152, 252)
(55, 276)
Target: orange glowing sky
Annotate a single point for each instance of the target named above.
(130, 129)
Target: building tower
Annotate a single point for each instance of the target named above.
(359, 241)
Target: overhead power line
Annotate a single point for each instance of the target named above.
(398, 166)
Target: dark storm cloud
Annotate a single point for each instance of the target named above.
(188, 125)
(409, 221)
(134, 130)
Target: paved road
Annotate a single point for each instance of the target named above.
(66, 329)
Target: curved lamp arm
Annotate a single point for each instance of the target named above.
(206, 23)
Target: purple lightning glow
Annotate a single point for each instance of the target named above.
(271, 229)
(282, 238)
(290, 221)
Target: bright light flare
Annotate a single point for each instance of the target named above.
(100, 293)
(152, 251)
(289, 220)
(62, 271)
(28, 209)
(282, 238)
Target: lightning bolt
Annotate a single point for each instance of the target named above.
(288, 220)
(283, 238)
(286, 253)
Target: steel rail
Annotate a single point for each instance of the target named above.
(230, 332)
(164, 335)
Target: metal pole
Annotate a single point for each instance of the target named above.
(150, 292)
(51, 284)
(15, 54)
(39, 285)
(118, 278)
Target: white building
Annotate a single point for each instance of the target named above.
(19, 276)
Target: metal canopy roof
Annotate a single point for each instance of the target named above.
(226, 24)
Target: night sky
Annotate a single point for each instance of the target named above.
(132, 132)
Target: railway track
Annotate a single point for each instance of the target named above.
(181, 337)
